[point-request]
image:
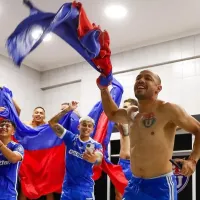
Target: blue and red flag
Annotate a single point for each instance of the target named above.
(72, 25)
(39, 175)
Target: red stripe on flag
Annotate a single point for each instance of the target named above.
(42, 171)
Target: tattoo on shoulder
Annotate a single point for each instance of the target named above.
(148, 120)
(58, 129)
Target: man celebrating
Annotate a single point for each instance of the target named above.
(82, 154)
(152, 128)
(11, 154)
(38, 117)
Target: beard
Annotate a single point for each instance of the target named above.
(140, 96)
(146, 95)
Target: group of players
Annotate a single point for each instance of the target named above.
(147, 128)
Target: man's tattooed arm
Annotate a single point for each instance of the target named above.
(58, 129)
(53, 122)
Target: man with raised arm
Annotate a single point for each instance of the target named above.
(82, 153)
(152, 128)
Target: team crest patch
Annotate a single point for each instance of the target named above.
(148, 120)
(181, 180)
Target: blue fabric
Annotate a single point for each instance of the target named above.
(64, 24)
(126, 167)
(105, 81)
(9, 173)
(33, 138)
(162, 188)
(78, 171)
(76, 194)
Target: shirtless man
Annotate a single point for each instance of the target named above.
(38, 117)
(38, 120)
(124, 155)
(152, 128)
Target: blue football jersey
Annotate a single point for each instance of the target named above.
(9, 172)
(78, 171)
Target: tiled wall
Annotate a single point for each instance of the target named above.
(25, 84)
(53, 98)
(181, 80)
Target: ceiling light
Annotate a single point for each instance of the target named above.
(48, 37)
(115, 11)
(36, 33)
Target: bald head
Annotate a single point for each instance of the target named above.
(154, 75)
(147, 85)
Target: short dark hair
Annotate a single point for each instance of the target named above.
(39, 107)
(65, 104)
(8, 121)
(131, 101)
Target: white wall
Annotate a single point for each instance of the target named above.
(180, 80)
(53, 98)
(25, 84)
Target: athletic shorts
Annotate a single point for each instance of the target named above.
(77, 194)
(125, 164)
(159, 188)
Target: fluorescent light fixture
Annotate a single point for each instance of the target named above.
(36, 33)
(115, 11)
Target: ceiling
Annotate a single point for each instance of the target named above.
(147, 22)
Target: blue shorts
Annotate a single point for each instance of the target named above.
(125, 164)
(158, 188)
(8, 198)
(76, 194)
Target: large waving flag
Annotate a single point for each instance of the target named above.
(43, 151)
(72, 25)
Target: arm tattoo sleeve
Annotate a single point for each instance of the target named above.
(58, 129)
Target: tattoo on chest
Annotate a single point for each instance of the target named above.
(148, 120)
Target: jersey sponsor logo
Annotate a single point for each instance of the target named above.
(20, 149)
(4, 162)
(76, 154)
(181, 180)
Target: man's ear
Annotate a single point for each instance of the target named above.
(159, 88)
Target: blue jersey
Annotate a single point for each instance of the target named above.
(9, 172)
(78, 171)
